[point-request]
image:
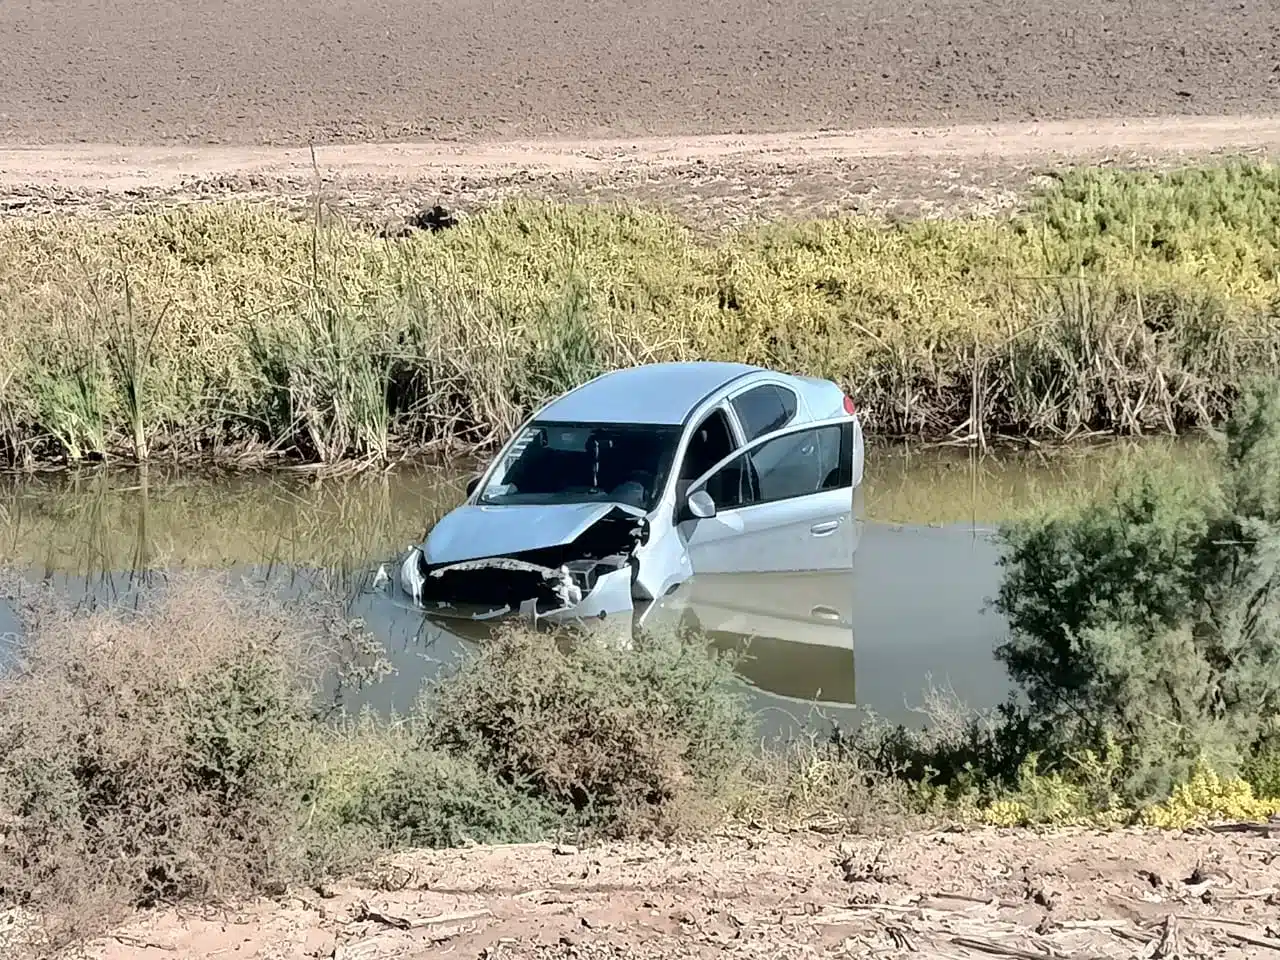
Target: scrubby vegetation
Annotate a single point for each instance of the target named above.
(187, 747)
(182, 748)
(1115, 301)
(1145, 646)
(147, 756)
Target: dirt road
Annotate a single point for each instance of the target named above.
(135, 167)
(954, 895)
(294, 71)
(725, 178)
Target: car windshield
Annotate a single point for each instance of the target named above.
(552, 462)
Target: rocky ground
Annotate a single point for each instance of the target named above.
(1005, 894)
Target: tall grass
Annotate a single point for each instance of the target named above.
(129, 342)
(1115, 301)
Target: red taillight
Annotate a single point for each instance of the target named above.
(849, 406)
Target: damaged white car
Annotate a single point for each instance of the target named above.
(621, 489)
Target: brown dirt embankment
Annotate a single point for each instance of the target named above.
(976, 168)
(956, 895)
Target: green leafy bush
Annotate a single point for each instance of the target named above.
(431, 798)
(1150, 619)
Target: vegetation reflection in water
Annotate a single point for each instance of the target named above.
(105, 526)
(88, 522)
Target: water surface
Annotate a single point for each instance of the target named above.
(911, 613)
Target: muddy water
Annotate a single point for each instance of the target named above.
(911, 614)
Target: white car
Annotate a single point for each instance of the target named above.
(623, 488)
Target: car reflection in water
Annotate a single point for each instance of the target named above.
(792, 634)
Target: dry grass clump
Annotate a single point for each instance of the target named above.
(180, 748)
(154, 753)
(1116, 301)
(626, 741)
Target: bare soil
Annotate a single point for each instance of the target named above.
(980, 894)
(718, 179)
(298, 71)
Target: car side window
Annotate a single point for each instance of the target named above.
(764, 409)
(789, 405)
(795, 465)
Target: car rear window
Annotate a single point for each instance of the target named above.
(764, 409)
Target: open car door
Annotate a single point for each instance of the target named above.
(783, 502)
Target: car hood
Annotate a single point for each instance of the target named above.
(471, 531)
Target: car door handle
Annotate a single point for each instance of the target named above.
(824, 528)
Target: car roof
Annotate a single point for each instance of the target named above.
(663, 393)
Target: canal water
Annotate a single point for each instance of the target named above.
(912, 613)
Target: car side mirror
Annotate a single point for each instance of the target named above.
(701, 505)
(472, 483)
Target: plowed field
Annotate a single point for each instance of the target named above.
(269, 71)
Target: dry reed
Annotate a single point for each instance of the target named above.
(1115, 301)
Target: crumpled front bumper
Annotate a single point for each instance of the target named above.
(556, 595)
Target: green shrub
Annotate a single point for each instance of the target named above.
(1149, 621)
(1262, 768)
(435, 799)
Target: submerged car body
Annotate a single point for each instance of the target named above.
(622, 488)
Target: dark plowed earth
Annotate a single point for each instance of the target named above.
(279, 71)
